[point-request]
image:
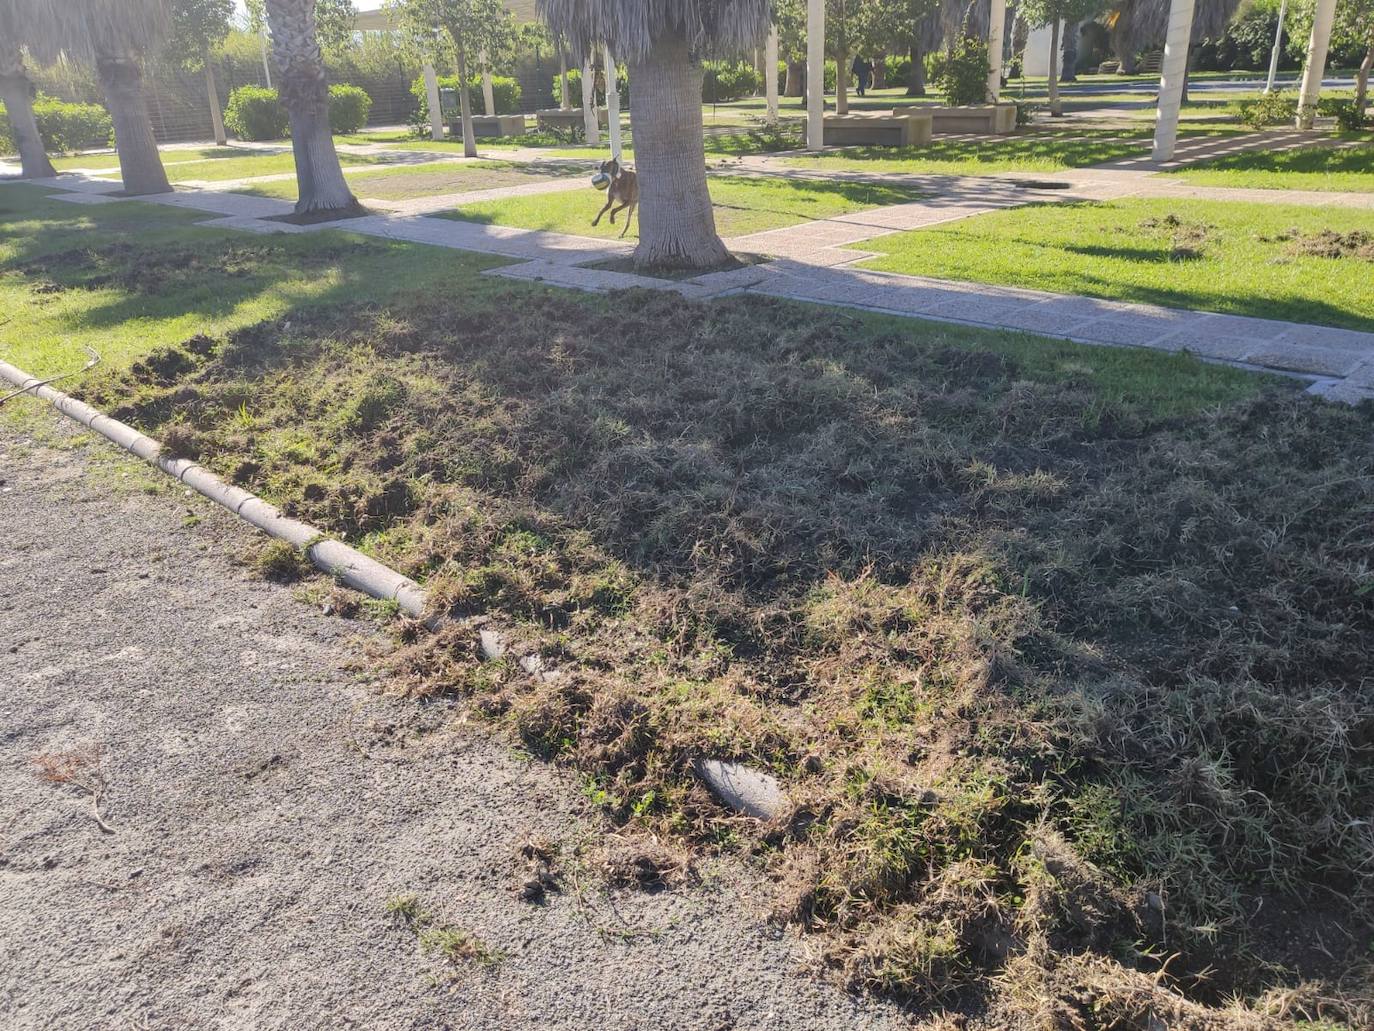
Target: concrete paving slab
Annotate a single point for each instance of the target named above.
(1325, 361)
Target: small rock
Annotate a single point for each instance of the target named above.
(532, 664)
(136, 872)
(491, 645)
(532, 890)
(742, 789)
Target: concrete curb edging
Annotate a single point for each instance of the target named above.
(349, 565)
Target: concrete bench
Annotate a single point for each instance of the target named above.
(490, 126)
(983, 118)
(557, 119)
(899, 129)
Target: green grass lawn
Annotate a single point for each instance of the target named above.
(742, 206)
(1033, 151)
(124, 278)
(1223, 256)
(430, 179)
(170, 156)
(1327, 168)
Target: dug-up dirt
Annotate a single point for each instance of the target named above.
(210, 819)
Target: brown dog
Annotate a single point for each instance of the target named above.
(623, 191)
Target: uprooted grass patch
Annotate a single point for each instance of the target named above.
(1067, 680)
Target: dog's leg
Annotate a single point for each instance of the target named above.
(628, 216)
(609, 202)
(616, 211)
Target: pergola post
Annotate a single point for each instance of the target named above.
(1171, 74)
(612, 105)
(997, 21)
(815, 74)
(436, 106)
(1315, 67)
(488, 96)
(1278, 44)
(589, 123)
(564, 100)
(770, 74)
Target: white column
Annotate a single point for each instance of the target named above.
(266, 65)
(815, 74)
(592, 132)
(770, 73)
(488, 99)
(1274, 54)
(997, 21)
(1315, 67)
(612, 105)
(564, 101)
(436, 106)
(1171, 74)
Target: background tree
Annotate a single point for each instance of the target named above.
(790, 17)
(320, 183)
(114, 35)
(918, 27)
(198, 28)
(1055, 13)
(1353, 30)
(17, 93)
(472, 26)
(1141, 24)
(662, 43)
(849, 30)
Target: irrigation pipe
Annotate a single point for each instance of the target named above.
(348, 565)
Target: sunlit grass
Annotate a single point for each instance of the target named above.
(1327, 168)
(1038, 152)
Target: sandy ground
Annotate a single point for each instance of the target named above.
(267, 803)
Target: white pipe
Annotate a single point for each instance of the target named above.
(815, 74)
(347, 564)
(266, 65)
(1171, 75)
(997, 20)
(612, 105)
(1315, 67)
(589, 122)
(770, 74)
(436, 104)
(1278, 43)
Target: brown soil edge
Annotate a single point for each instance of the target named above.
(347, 565)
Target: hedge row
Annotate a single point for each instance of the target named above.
(64, 127)
(256, 113)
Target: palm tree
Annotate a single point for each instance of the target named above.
(320, 183)
(662, 42)
(115, 34)
(16, 93)
(1145, 23)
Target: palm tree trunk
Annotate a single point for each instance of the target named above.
(464, 100)
(880, 70)
(1068, 65)
(677, 228)
(16, 93)
(564, 99)
(1056, 108)
(796, 76)
(842, 83)
(916, 77)
(320, 182)
(140, 165)
(216, 116)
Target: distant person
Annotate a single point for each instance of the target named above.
(863, 71)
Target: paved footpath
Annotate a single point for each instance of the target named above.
(814, 261)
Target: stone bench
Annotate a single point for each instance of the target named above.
(557, 119)
(490, 126)
(997, 119)
(899, 129)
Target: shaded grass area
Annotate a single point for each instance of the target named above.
(742, 205)
(1038, 151)
(1218, 256)
(220, 169)
(425, 180)
(127, 277)
(1062, 653)
(1328, 168)
(170, 156)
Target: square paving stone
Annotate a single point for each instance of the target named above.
(1324, 361)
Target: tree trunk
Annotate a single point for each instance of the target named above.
(1056, 108)
(320, 182)
(564, 99)
(464, 101)
(842, 83)
(1362, 81)
(16, 93)
(1068, 66)
(140, 165)
(216, 116)
(916, 77)
(880, 70)
(677, 228)
(488, 92)
(796, 79)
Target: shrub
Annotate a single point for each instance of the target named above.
(725, 81)
(348, 108)
(622, 82)
(504, 90)
(1348, 117)
(963, 77)
(255, 113)
(1268, 109)
(898, 69)
(63, 126)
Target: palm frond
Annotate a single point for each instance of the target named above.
(629, 27)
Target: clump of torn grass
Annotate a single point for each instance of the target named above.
(1067, 678)
(456, 945)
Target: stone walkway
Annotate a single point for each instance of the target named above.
(812, 261)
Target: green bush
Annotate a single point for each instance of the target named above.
(622, 82)
(255, 113)
(348, 108)
(963, 76)
(63, 126)
(504, 90)
(1268, 109)
(1348, 117)
(725, 81)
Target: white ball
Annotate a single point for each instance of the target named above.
(601, 180)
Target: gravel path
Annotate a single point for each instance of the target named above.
(267, 804)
